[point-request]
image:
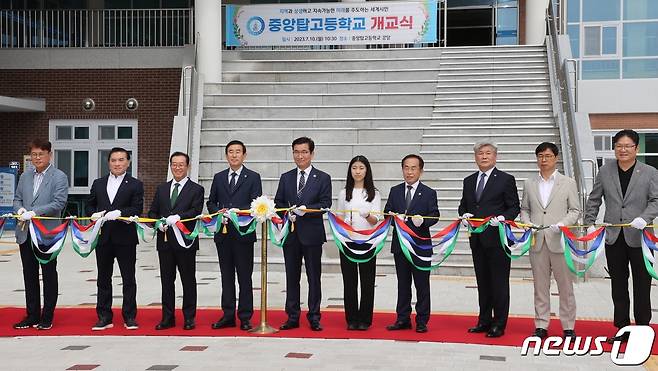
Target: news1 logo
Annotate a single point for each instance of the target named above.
(638, 347)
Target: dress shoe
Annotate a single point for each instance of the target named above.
(189, 324)
(315, 326)
(421, 328)
(352, 327)
(399, 326)
(479, 328)
(163, 325)
(245, 326)
(26, 323)
(43, 325)
(223, 323)
(289, 325)
(570, 334)
(540, 333)
(623, 338)
(102, 324)
(363, 326)
(495, 332)
(130, 324)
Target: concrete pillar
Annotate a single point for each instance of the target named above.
(535, 21)
(208, 25)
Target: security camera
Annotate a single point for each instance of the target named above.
(88, 104)
(131, 104)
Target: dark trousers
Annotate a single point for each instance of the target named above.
(619, 255)
(492, 267)
(31, 281)
(185, 261)
(236, 258)
(356, 313)
(293, 252)
(405, 272)
(125, 256)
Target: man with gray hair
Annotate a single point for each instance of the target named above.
(490, 192)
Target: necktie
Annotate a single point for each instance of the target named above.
(232, 184)
(480, 187)
(174, 194)
(302, 182)
(408, 197)
(38, 178)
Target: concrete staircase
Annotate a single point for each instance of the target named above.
(383, 104)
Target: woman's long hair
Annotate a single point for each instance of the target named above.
(368, 183)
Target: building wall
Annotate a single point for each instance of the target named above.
(156, 90)
(624, 121)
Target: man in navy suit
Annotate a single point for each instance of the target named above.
(177, 199)
(304, 187)
(490, 192)
(112, 196)
(235, 188)
(412, 198)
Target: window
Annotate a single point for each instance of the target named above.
(640, 9)
(574, 38)
(601, 10)
(640, 68)
(602, 142)
(600, 69)
(640, 39)
(600, 40)
(573, 11)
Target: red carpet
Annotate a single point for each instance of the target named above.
(445, 328)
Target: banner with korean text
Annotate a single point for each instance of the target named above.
(376, 22)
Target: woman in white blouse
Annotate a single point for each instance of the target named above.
(360, 196)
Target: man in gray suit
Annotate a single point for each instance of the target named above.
(41, 192)
(550, 199)
(630, 189)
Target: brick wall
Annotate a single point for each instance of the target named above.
(156, 90)
(618, 121)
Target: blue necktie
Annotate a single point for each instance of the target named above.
(480, 187)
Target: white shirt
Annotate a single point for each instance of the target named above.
(180, 187)
(38, 179)
(307, 171)
(358, 202)
(113, 184)
(486, 178)
(545, 187)
(237, 174)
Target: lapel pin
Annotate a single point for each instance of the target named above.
(419, 193)
(314, 176)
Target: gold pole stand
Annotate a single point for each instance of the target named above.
(263, 328)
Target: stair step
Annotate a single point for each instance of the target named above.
(325, 87)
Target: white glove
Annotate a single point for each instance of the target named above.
(113, 215)
(172, 219)
(639, 223)
(97, 215)
(133, 219)
(21, 211)
(591, 229)
(162, 227)
(27, 215)
(495, 221)
(555, 228)
(464, 217)
(417, 220)
(364, 213)
(292, 217)
(301, 210)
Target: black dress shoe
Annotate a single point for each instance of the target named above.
(163, 325)
(43, 325)
(352, 327)
(623, 338)
(362, 326)
(495, 332)
(130, 324)
(421, 328)
(26, 323)
(102, 324)
(315, 326)
(540, 333)
(288, 325)
(570, 334)
(245, 326)
(223, 323)
(479, 328)
(189, 324)
(399, 326)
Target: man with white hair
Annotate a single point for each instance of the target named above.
(490, 192)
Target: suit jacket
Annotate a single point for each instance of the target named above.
(424, 203)
(129, 199)
(499, 197)
(315, 195)
(641, 200)
(247, 188)
(189, 204)
(563, 207)
(50, 199)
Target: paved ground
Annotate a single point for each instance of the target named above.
(449, 294)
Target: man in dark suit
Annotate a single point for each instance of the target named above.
(116, 195)
(177, 199)
(42, 191)
(304, 187)
(490, 192)
(235, 188)
(412, 198)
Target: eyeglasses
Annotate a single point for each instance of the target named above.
(296, 153)
(38, 154)
(626, 147)
(545, 157)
